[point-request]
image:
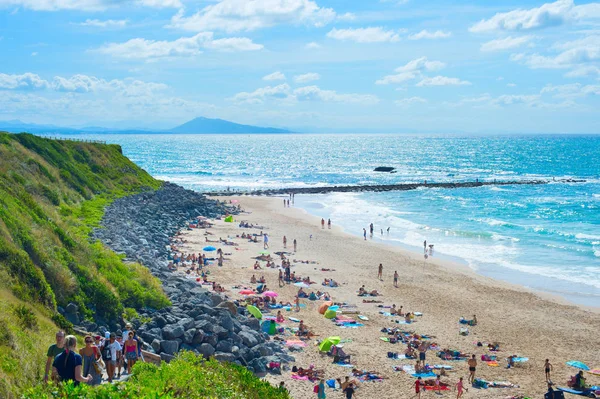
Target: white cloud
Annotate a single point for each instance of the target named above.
(572, 90)
(412, 70)
(283, 92)
(582, 71)
(34, 54)
(183, 47)
(442, 81)
(110, 23)
(505, 43)
(258, 96)
(547, 15)
(85, 5)
(405, 102)
(575, 54)
(26, 81)
(511, 85)
(80, 84)
(314, 93)
(274, 76)
(515, 99)
(312, 45)
(425, 34)
(307, 77)
(364, 35)
(346, 17)
(248, 15)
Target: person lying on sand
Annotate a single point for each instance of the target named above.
(371, 301)
(410, 352)
(207, 240)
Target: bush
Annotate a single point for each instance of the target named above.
(62, 323)
(6, 337)
(26, 316)
(188, 376)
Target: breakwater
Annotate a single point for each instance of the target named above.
(390, 187)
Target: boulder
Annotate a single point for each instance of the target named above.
(206, 350)
(224, 357)
(71, 308)
(248, 339)
(187, 323)
(156, 346)
(225, 346)
(188, 336)
(169, 347)
(198, 337)
(171, 332)
(229, 306)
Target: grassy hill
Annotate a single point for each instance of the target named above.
(52, 194)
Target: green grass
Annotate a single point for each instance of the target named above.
(187, 377)
(52, 194)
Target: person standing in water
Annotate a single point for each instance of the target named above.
(365, 234)
(322, 223)
(425, 246)
(371, 229)
(328, 223)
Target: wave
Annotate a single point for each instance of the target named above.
(582, 236)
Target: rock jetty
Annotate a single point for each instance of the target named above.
(199, 320)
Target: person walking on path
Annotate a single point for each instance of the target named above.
(380, 271)
(396, 278)
(67, 365)
(90, 355)
(109, 353)
(472, 367)
(53, 351)
(131, 351)
(321, 390)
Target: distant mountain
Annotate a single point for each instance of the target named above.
(207, 125)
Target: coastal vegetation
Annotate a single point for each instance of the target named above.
(52, 194)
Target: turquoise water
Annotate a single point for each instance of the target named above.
(545, 237)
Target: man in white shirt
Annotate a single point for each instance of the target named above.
(109, 352)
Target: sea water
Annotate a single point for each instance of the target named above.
(545, 237)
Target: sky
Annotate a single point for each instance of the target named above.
(510, 66)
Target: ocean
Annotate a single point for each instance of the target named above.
(544, 237)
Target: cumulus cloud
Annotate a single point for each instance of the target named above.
(183, 47)
(26, 81)
(505, 43)
(442, 81)
(248, 15)
(80, 84)
(274, 76)
(572, 90)
(85, 5)
(364, 35)
(578, 55)
(412, 70)
(307, 77)
(312, 45)
(284, 92)
(547, 15)
(425, 34)
(110, 23)
(406, 102)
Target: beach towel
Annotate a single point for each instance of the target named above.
(297, 377)
(385, 313)
(434, 388)
(520, 359)
(424, 375)
(493, 363)
(344, 365)
(295, 320)
(293, 342)
(442, 366)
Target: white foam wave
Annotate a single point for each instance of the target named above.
(582, 236)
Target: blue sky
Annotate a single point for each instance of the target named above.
(473, 66)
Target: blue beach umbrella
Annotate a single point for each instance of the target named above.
(209, 248)
(578, 365)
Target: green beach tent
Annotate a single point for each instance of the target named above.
(330, 314)
(229, 219)
(269, 326)
(328, 343)
(254, 311)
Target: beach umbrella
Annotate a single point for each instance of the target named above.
(270, 294)
(210, 248)
(578, 365)
(234, 201)
(328, 343)
(254, 311)
(302, 285)
(323, 307)
(229, 219)
(246, 292)
(264, 253)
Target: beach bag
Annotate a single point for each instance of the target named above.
(95, 364)
(316, 389)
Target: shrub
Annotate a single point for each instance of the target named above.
(6, 337)
(27, 318)
(62, 323)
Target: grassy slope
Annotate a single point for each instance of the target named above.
(51, 194)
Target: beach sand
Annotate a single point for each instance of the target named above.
(522, 322)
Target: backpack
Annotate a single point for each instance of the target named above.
(316, 389)
(106, 353)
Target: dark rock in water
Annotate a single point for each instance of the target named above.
(384, 169)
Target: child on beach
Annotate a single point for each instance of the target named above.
(547, 369)
(459, 388)
(396, 279)
(418, 388)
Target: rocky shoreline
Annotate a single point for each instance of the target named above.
(199, 320)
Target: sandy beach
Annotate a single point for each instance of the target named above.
(523, 323)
